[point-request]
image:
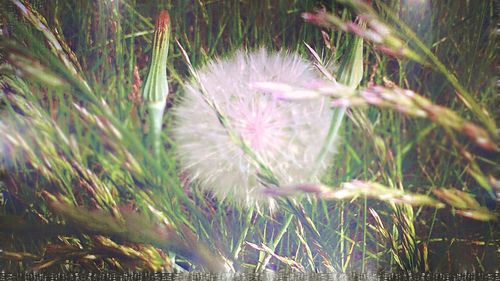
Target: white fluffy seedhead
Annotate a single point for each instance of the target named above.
(287, 135)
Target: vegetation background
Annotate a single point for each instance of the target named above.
(82, 189)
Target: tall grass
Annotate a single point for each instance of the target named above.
(411, 188)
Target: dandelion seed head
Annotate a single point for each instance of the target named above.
(286, 135)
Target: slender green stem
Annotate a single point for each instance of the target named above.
(243, 235)
(363, 256)
(264, 259)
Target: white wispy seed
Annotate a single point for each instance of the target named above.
(286, 134)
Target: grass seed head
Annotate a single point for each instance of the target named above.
(286, 134)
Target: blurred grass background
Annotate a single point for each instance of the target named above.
(82, 191)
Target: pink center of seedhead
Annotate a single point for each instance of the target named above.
(255, 132)
(259, 125)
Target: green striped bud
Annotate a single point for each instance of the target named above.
(155, 91)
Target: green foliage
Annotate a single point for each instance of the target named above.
(412, 184)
